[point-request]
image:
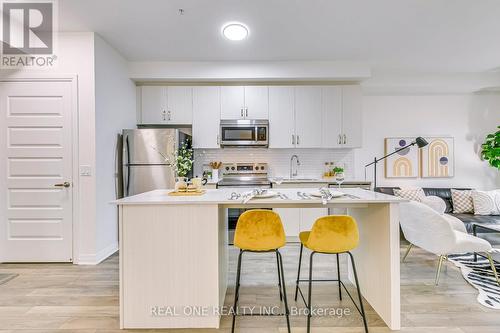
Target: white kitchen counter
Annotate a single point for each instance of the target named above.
(222, 196)
(173, 253)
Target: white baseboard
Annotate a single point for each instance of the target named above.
(94, 259)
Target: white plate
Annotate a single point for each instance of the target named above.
(267, 194)
(335, 194)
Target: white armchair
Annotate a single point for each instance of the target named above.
(440, 234)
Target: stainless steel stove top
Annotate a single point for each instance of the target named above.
(244, 175)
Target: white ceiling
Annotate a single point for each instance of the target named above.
(401, 35)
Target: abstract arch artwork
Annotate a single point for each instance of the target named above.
(403, 164)
(437, 160)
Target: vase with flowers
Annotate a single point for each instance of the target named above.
(183, 164)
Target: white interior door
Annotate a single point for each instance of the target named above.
(36, 141)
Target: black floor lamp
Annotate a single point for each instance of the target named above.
(420, 142)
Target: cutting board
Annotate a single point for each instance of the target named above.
(186, 194)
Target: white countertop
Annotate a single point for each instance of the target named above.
(221, 196)
(321, 180)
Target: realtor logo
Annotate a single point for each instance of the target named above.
(28, 33)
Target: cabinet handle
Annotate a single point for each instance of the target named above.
(218, 139)
(163, 113)
(340, 139)
(169, 114)
(246, 112)
(241, 112)
(293, 139)
(345, 139)
(298, 142)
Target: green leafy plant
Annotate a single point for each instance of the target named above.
(338, 169)
(491, 149)
(184, 159)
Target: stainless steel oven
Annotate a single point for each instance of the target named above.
(244, 133)
(238, 176)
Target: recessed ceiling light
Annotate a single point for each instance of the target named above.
(235, 31)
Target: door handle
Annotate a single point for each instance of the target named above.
(65, 184)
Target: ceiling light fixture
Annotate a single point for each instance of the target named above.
(235, 31)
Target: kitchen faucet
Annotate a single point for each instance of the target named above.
(297, 163)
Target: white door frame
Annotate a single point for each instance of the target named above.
(73, 79)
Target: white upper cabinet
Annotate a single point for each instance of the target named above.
(206, 117)
(166, 105)
(248, 102)
(256, 102)
(281, 117)
(352, 104)
(308, 117)
(153, 104)
(332, 117)
(232, 102)
(180, 105)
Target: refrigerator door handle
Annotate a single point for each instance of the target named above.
(126, 172)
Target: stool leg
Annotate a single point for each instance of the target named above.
(309, 305)
(359, 292)
(298, 273)
(338, 277)
(237, 290)
(279, 274)
(287, 311)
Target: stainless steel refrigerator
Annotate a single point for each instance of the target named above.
(148, 158)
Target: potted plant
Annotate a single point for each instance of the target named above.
(337, 170)
(183, 164)
(491, 149)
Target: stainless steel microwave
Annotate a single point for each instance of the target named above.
(244, 133)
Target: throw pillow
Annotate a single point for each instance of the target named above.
(414, 194)
(435, 203)
(486, 202)
(462, 201)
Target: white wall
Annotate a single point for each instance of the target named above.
(467, 118)
(115, 109)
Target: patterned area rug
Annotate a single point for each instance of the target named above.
(5, 277)
(480, 275)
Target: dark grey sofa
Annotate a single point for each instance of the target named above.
(445, 194)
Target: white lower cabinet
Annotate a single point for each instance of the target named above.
(296, 220)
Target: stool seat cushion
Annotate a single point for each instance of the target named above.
(304, 236)
(331, 234)
(259, 230)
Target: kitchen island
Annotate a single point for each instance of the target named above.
(174, 254)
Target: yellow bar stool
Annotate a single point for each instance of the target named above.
(260, 231)
(334, 234)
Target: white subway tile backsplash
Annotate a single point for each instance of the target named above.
(312, 161)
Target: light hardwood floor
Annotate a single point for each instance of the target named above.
(69, 298)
